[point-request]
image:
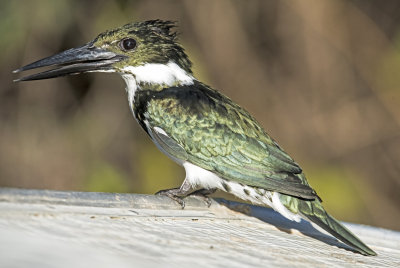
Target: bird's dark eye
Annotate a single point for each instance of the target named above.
(128, 44)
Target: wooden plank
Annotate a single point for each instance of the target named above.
(40, 228)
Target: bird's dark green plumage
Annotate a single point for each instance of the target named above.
(220, 136)
(220, 145)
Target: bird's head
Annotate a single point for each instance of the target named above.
(147, 51)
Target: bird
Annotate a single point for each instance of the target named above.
(218, 143)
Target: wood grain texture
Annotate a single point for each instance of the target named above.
(40, 228)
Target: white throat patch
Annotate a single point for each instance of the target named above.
(156, 73)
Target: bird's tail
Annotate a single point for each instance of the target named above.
(314, 211)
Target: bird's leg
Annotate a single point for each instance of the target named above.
(177, 194)
(203, 193)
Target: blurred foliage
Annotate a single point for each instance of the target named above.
(105, 178)
(157, 171)
(338, 191)
(321, 76)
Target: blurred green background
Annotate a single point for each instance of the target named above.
(323, 78)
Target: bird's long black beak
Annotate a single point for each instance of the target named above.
(87, 58)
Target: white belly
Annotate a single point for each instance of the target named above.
(201, 178)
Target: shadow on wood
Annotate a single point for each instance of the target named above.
(283, 224)
(78, 229)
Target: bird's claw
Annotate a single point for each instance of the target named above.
(177, 194)
(205, 198)
(203, 194)
(174, 197)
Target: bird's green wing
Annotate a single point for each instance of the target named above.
(207, 129)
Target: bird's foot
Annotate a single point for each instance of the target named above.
(174, 195)
(177, 194)
(203, 194)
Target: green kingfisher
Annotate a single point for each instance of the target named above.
(220, 145)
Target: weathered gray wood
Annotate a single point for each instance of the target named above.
(41, 228)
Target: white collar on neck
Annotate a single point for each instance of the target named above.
(154, 73)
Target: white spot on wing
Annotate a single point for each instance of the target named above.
(160, 130)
